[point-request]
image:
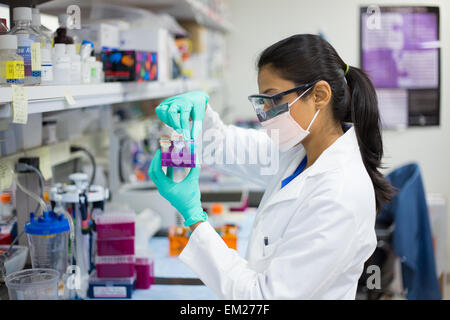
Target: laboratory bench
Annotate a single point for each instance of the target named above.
(176, 281)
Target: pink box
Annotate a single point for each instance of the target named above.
(115, 247)
(144, 273)
(115, 225)
(115, 266)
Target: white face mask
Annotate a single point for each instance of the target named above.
(290, 132)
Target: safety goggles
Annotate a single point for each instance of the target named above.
(268, 106)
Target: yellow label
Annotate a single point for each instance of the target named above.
(19, 104)
(5, 175)
(14, 70)
(36, 56)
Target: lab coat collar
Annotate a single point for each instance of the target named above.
(334, 156)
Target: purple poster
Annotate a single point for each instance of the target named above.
(400, 50)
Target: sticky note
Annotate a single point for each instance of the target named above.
(36, 56)
(69, 98)
(19, 104)
(5, 175)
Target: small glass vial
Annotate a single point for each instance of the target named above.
(11, 64)
(165, 143)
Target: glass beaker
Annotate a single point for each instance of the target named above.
(33, 284)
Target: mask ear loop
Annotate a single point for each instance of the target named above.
(314, 118)
(299, 97)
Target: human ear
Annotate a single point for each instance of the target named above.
(321, 94)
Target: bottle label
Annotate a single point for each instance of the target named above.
(24, 50)
(36, 59)
(47, 72)
(93, 73)
(14, 72)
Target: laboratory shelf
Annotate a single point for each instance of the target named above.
(188, 10)
(47, 98)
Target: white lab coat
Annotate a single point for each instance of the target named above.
(320, 227)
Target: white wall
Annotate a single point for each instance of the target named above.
(261, 23)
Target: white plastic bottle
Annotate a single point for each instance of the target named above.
(75, 64)
(92, 67)
(46, 47)
(61, 64)
(28, 45)
(85, 53)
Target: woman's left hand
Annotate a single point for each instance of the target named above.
(184, 195)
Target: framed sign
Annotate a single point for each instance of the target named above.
(400, 51)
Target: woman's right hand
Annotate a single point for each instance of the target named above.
(176, 111)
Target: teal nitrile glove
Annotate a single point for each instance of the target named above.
(184, 195)
(191, 104)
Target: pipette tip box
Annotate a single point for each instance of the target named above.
(115, 266)
(110, 288)
(115, 247)
(115, 225)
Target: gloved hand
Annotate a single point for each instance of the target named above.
(184, 195)
(191, 104)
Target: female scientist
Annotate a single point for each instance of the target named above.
(314, 228)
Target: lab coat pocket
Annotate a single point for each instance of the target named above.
(270, 249)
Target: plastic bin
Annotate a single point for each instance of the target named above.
(115, 247)
(110, 288)
(144, 273)
(33, 284)
(115, 266)
(17, 260)
(115, 225)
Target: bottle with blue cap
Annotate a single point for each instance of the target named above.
(48, 237)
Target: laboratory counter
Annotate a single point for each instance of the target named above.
(176, 281)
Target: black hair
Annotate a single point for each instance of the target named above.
(305, 58)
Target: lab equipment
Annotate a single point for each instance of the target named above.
(28, 44)
(33, 284)
(3, 27)
(61, 64)
(144, 272)
(191, 104)
(184, 196)
(75, 64)
(115, 266)
(79, 197)
(11, 64)
(8, 230)
(110, 287)
(12, 261)
(48, 238)
(178, 239)
(115, 225)
(115, 247)
(176, 152)
(6, 208)
(61, 35)
(45, 36)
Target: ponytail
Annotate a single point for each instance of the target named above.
(304, 58)
(366, 121)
